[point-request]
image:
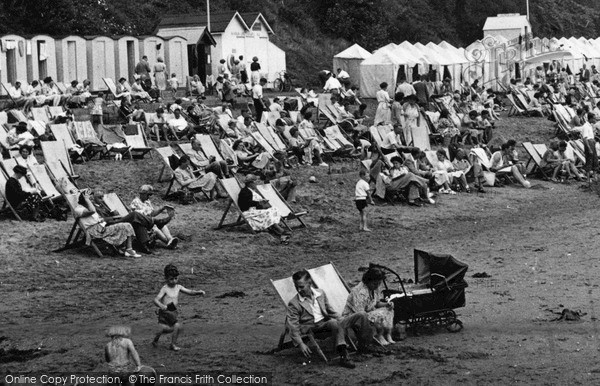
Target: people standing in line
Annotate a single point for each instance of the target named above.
(257, 97)
(255, 71)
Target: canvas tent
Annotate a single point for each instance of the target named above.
(349, 60)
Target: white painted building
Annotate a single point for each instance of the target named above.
(508, 25)
(231, 35)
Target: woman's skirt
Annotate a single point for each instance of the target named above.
(262, 219)
(206, 183)
(383, 114)
(381, 318)
(161, 80)
(115, 234)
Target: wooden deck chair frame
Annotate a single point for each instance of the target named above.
(322, 278)
(58, 172)
(271, 137)
(514, 109)
(269, 192)
(57, 151)
(76, 238)
(258, 137)
(91, 149)
(6, 206)
(208, 146)
(42, 176)
(115, 204)
(229, 184)
(577, 149)
(535, 160)
(164, 154)
(112, 86)
(40, 114)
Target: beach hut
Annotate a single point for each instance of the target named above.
(383, 66)
(152, 47)
(71, 59)
(100, 60)
(127, 54)
(40, 52)
(349, 60)
(13, 65)
(176, 56)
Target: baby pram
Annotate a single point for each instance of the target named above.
(439, 288)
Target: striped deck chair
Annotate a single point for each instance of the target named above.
(86, 136)
(534, 163)
(135, 138)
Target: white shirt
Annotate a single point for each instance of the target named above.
(315, 307)
(257, 91)
(391, 140)
(586, 130)
(178, 124)
(406, 89)
(15, 92)
(275, 107)
(362, 189)
(343, 75)
(332, 84)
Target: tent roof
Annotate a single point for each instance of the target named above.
(354, 52)
(511, 21)
(450, 53)
(383, 57)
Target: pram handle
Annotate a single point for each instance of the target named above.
(373, 265)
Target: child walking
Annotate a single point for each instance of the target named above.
(98, 109)
(362, 193)
(174, 84)
(166, 301)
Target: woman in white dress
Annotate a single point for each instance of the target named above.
(383, 114)
(160, 77)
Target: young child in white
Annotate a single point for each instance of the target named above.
(173, 84)
(362, 193)
(166, 301)
(97, 110)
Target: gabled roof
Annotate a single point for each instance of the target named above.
(511, 21)
(251, 17)
(218, 21)
(354, 52)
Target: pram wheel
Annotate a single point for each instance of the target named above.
(454, 326)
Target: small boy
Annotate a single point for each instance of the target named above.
(97, 110)
(174, 84)
(120, 354)
(362, 193)
(166, 301)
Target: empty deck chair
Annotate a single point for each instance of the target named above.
(40, 173)
(208, 146)
(56, 151)
(15, 115)
(6, 207)
(115, 204)
(534, 163)
(326, 278)
(165, 153)
(335, 135)
(271, 137)
(63, 182)
(86, 136)
(233, 188)
(40, 114)
(136, 140)
(114, 138)
(55, 111)
(283, 207)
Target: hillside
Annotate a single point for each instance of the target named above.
(310, 31)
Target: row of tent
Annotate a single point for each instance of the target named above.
(394, 61)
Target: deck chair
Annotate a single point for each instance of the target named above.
(77, 238)
(40, 173)
(56, 151)
(283, 207)
(334, 134)
(263, 142)
(86, 136)
(6, 207)
(271, 137)
(4, 142)
(55, 111)
(115, 204)
(60, 177)
(62, 134)
(114, 139)
(486, 164)
(37, 127)
(233, 188)
(228, 153)
(308, 134)
(15, 115)
(328, 279)
(534, 163)
(208, 146)
(40, 114)
(164, 153)
(576, 150)
(135, 138)
(112, 87)
(514, 108)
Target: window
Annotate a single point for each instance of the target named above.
(257, 26)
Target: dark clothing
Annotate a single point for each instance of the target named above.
(254, 66)
(245, 200)
(14, 192)
(259, 106)
(244, 76)
(167, 317)
(143, 70)
(141, 223)
(361, 205)
(422, 93)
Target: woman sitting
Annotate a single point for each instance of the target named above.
(551, 163)
(447, 128)
(502, 160)
(301, 148)
(96, 228)
(197, 86)
(122, 91)
(24, 199)
(257, 211)
(445, 174)
(567, 164)
(185, 177)
(249, 159)
(138, 92)
(142, 204)
(367, 297)
(400, 179)
(19, 135)
(470, 165)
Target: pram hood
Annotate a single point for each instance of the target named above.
(438, 271)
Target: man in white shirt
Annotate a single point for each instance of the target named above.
(342, 75)
(276, 107)
(310, 311)
(406, 88)
(589, 144)
(332, 85)
(16, 94)
(257, 97)
(178, 124)
(392, 141)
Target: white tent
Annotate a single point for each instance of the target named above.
(381, 67)
(349, 60)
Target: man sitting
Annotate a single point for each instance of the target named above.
(310, 311)
(16, 94)
(178, 125)
(206, 165)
